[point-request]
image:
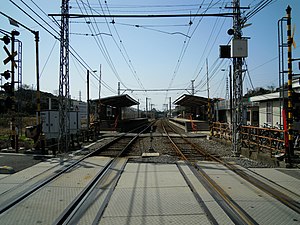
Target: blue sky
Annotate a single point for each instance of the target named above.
(146, 54)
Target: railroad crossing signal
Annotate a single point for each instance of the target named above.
(6, 74)
(7, 88)
(5, 39)
(10, 57)
(9, 101)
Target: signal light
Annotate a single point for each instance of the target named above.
(230, 32)
(7, 88)
(5, 39)
(6, 74)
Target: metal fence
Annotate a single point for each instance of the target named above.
(256, 138)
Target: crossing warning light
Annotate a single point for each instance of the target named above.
(7, 88)
(5, 39)
(6, 74)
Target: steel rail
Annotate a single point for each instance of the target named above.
(9, 203)
(71, 210)
(283, 198)
(236, 213)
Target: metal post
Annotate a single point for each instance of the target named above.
(193, 88)
(208, 99)
(38, 94)
(230, 93)
(146, 107)
(237, 83)
(281, 64)
(14, 140)
(138, 109)
(290, 150)
(170, 106)
(64, 104)
(99, 103)
(99, 94)
(119, 89)
(88, 99)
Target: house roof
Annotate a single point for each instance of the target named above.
(118, 101)
(265, 97)
(190, 100)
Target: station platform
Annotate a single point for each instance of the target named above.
(157, 193)
(191, 125)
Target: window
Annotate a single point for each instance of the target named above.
(248, 116)
(269, 113)
(255, 116)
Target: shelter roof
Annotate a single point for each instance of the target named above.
(118, 101)
(190, 100)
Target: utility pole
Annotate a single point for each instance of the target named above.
(138, 109)
(64, 104)
(208, 99)
(237, 82)
(119, 89)
(146, 107)
(290, 149)
(230, 93)
(170, 106)
(227, 89)
(88, 99)
(99, 95)
(193, 88)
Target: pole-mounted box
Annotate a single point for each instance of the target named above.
(225, 51)
(239, 48)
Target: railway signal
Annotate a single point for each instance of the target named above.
(6, 74)
(9, 91)
(9, 86)
(10, 57)
(6, 40)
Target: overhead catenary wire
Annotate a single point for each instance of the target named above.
(86, 7)
(198, 73)
(260, 6)
(101, 45)
(47, 60)
(128, 60)
(72, 50)
(183, 49)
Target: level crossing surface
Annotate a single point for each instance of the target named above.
(152, 193)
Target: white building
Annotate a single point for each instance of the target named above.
(270, 109)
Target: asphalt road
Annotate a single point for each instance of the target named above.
(17, 161)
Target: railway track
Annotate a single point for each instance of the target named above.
(99, 168)
(191, 153)
(104, 187)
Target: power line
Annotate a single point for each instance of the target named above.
(73, 15)
(101, 45)
(260, 6)
(73, 52)
(128, 61)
